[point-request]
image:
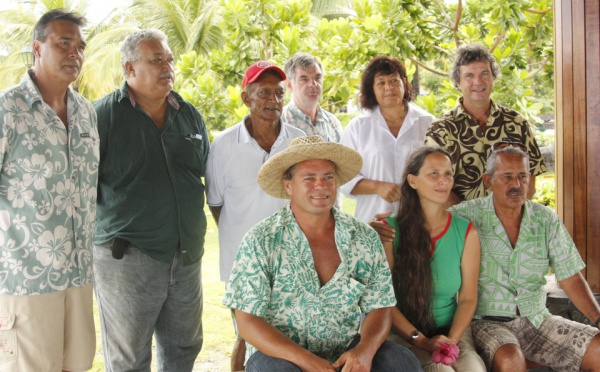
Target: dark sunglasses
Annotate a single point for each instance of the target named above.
(503, 144)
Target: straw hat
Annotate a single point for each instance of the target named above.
(348, 162)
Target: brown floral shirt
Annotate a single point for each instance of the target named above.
(469, 145)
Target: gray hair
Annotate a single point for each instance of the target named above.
(490, 167)
(130, 49)
(470, 53)
(302, 60)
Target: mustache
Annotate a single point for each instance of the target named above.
(515, 192)
(166, 74)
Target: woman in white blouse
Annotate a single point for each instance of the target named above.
(385, 134)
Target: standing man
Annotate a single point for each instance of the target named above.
(519, 240)
(471, 130)
(302, 276)
(305, 81)
(235, 200)
(49, 154)
(151, 224)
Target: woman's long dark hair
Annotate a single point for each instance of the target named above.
(413, 280)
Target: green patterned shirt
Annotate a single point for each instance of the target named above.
(274, 278)
(511, 278)
(48, 178)
(470, 146)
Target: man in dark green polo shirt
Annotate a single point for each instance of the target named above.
(150, 227)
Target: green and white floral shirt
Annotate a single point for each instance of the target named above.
(48, 179)
(274, 277)
(514, 278)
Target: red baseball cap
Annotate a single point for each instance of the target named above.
(257, 69)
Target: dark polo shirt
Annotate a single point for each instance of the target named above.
(150, 191)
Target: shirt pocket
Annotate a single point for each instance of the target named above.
(8, 338)
(189, 152)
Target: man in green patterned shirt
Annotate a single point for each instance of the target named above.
(520, 239)
(302, 276)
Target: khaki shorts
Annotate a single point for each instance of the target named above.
(559, 343)
(48, 332)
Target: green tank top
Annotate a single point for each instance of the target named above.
(445, 266)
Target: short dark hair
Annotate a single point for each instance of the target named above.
(382, 65)
(470, 53)
(41, 31)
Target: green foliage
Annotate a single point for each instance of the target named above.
(545, 190)
(215, 41)
(545, 138)
(345, 117)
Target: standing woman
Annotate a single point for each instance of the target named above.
(387, 132)
(435, 261)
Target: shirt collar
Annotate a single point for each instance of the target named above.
(31, 92)
(245, 137)
(459, 110)
(301, 115)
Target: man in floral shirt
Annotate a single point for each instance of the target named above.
(49, 153)
(477, 123)
(519, 240)
(302, 276)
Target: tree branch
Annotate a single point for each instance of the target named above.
(537, 71)
(441, 73)
(498, 40)
(446, 15)
(441, 25)
(439, 48)
(459, 8)
(539, 11)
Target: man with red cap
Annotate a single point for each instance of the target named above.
(235, 199)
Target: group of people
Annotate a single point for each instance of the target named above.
(110, 195)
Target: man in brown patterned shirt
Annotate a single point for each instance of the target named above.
(477, 125)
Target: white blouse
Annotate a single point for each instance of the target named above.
(384, 156)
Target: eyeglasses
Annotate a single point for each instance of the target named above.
(503, 144)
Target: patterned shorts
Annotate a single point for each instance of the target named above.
(559, 343)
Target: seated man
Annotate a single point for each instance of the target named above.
(303, 275)
(519, 240)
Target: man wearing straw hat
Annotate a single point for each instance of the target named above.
(303, 275)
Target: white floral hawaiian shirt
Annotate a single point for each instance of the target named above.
(274, 278)
(48, 179)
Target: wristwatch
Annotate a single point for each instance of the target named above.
(413, 336)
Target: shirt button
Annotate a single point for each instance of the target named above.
(315, 317)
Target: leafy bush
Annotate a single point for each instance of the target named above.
(546, 190)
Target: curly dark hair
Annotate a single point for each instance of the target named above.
(413, 280)
(381, 65)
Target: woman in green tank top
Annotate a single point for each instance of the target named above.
(435, 261)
